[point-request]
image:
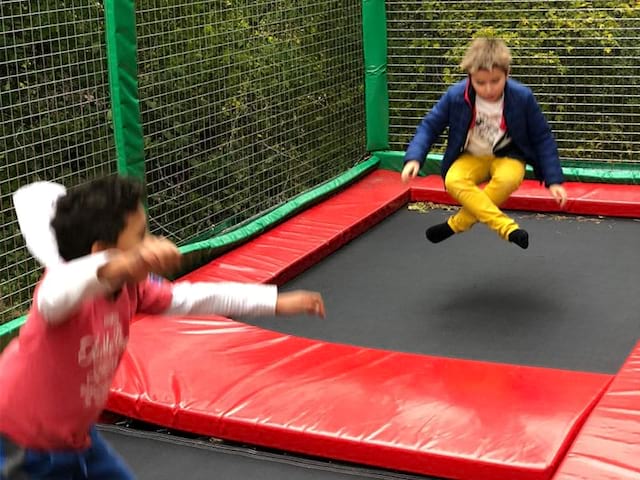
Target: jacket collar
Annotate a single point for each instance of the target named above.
(469, 93)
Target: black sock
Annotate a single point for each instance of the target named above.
(519, 237)
(439, 232)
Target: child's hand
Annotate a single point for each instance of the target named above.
(300, 301)
(559, 193)
(410, 170)
(153, 255)
(159, 255)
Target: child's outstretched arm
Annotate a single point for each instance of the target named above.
(158, 255)
(547, 151)
(242, 299)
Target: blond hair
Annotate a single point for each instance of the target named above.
(486, 54)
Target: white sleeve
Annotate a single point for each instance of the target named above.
(225, 298)
(66, 285)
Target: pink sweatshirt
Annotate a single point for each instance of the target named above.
(55, 377)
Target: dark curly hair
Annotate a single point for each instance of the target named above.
(95, 211)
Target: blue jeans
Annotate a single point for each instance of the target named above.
(99, 462)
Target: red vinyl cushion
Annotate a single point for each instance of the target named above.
(292, 247)
(608, 446)
(429, 415)
(583, 198)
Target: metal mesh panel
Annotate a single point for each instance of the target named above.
(244, 105)
(53, 117)
(581, 59)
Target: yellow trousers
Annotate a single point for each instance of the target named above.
(504, 176)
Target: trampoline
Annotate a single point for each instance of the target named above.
(470, 359)
(563, 303)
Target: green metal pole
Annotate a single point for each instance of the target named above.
(120, 20)
(120, 17)
(374, 29)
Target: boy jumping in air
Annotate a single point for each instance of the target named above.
(495, 128)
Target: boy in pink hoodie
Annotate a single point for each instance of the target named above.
(55, 377)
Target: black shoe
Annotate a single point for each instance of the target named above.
(519, 237)
(439, 232)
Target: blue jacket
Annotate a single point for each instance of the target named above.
(531, 137)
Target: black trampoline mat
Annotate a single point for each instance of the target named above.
(158, 456)
(571, 301)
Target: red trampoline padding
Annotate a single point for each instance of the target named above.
(292, 247)
(583, 198)
(608, 446)
(437, 416)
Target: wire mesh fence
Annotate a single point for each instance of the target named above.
(54, 117)
(580, 57)
(245, 104)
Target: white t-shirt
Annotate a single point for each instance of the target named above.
(487, 130)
